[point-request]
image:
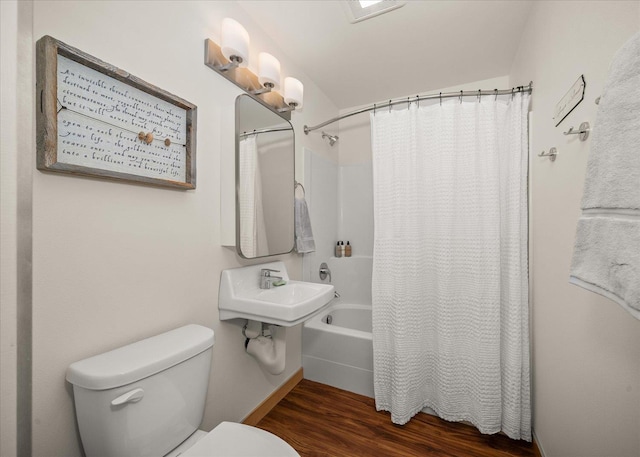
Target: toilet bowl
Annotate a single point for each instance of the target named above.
(230, 439)
(147, 399)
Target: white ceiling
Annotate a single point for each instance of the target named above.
(420, 47)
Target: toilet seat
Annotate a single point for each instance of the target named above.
(230, 439)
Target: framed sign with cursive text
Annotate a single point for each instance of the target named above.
(94, 119)
(570, 100)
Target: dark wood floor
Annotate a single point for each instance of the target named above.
(319, 420)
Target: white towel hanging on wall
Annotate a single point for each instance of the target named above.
(606, 258)
(304, 234)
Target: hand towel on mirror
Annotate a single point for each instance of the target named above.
(304, 235)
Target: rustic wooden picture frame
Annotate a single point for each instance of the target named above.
(48, 50)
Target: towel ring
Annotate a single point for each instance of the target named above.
(296, 185)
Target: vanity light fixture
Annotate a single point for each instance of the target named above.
(231, 59)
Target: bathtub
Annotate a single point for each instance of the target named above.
(340, 353)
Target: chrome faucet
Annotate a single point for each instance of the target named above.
(266, 278)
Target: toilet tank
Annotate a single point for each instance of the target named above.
(145, 398)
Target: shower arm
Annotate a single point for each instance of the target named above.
(418, 98)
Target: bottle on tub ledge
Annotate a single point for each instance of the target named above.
(342, 248)
(347, 250)
(338, 250)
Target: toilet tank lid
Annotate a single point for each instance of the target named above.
(138, 360)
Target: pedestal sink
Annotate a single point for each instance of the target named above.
(287, 305)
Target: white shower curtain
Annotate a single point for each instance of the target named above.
(450, 282)
(253, 241)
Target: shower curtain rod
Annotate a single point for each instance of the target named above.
(267, 130)
(418, 98)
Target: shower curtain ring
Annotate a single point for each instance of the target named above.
(479, 96)
(408, 103)
(512, 92)
(461, 97)
(374, 109)
(496, 91)
(389, 106)
(440, 98)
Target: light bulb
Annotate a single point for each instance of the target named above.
(293, 92)
(235, 42)
(268, 70)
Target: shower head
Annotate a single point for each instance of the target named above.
(332, 138)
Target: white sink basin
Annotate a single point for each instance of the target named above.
(241, 297)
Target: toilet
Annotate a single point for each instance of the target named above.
(147, 399)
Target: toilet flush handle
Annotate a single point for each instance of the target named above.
(130, 397)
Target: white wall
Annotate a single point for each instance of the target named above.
(586, 349)
(117, 262)
(16, 164)
(355, 222)
(8, 227)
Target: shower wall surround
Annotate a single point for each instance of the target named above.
(356, 207)
(321, 174)
(340, 203)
